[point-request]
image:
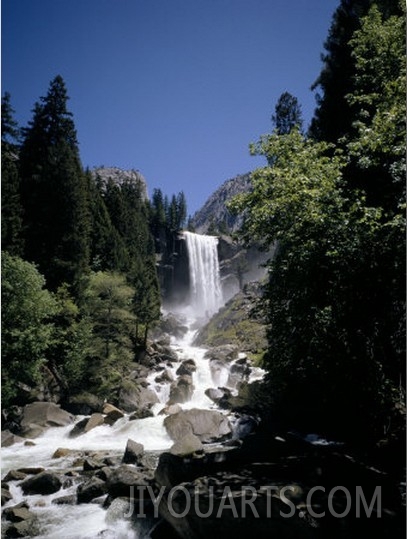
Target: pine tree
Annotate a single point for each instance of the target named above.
(11, 209)
(287, 114)
(54, 192)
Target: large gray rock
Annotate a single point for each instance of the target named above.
(187, 445)
(38, 416)
(225, 353)
(42, 483)
(93, 488)
(181, 390)
(133, 397)
(87, 424)
(121, 177)
(133, 453)
(188, 366)
(84, 404)
(126, 476)
(8, 438)
(207, 425)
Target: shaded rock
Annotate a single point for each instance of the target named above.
(61, 452)
(141, 414)
(38, 416)
(95, 420)
(116, 510)
(186, 445)
(90, 464)
(175, 469)
(31, 470)
(171, 409)
(42, 483)
(104, 473)
(14, 475)
(225, 353)
(6, 495)
(265, 518)
(181, 390)
(218, 394)
(133, 397)
(18, 512)
(165, 377)
(70, 499)
(207, 425)
(237, 373)
(112, 413)
(8, 438)
(188, 366)
(84, 404)
(134, 451)
(79, 428)
(169, 324)
(91, 489)
(126, 476)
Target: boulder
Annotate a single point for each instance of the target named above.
(84, 404)
(14, 475)
(112, 414)
(188, 366)
(126, 476)
(93, 488)
(24, 523)
(207, 425)
(39, 416)
(225, 353)
(181, 390)
(133, 397)
(134, 451)
(186, 445)
(141, 414)
(69, 499)
(170, 409)
(218, 394)
(8, 438)
(165, 377)
(87, 424)
(42, 483)
(6, 495)
(61, 452)
(18, 512)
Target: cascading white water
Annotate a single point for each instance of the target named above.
(205, 287)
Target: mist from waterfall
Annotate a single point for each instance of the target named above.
(205, 287)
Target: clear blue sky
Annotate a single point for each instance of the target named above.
(175, 88)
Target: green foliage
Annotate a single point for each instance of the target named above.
(71, 334)
(27, 309)
(377, 149)
(108, 303)
(334, 318)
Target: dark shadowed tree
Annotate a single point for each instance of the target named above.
(54, 192)
(287, 114)
(11, 209)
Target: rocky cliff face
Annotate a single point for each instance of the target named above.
(214, 212)
(120, 176)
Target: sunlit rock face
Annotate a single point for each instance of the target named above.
(214, 213)
(120, 177)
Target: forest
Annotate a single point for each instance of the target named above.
(79, 280)
(80, 289)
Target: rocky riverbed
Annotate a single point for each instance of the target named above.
(186, 454)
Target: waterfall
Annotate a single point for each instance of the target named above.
(205, 288)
